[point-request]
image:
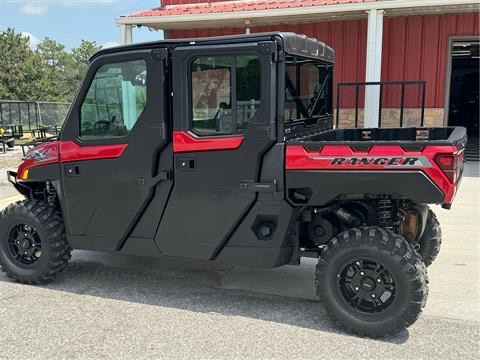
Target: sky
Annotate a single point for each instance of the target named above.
(69, 21)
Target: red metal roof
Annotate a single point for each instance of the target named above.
(239, 5)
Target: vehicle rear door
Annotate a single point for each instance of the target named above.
(223, 115)
(114, 150)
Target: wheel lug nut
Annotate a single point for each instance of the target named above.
(362, 273)
(356, 288)
(373, 295)
(378, 280)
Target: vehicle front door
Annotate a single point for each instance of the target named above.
(114, 150)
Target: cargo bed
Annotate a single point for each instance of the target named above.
(406, 137)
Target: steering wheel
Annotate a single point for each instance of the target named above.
(104, 125)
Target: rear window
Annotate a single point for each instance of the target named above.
(308, 90)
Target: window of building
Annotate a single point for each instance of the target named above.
(115, 100)
(225, 92)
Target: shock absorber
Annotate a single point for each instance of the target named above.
(385, 213)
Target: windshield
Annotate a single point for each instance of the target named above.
(308, 90)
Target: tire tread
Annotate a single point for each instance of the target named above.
(51, 221)
(431, 239)
(402, 252)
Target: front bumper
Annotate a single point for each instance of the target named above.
(21, 188)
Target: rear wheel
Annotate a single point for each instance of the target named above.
(371, 281)
(33, 246)
(11, 143)
(431, 239)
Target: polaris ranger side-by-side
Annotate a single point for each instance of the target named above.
(223, 149)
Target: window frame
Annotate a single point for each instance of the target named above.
(71, 128)
(113, 63)
(314, 120)
(233, 91)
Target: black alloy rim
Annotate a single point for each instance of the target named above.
(367, 286)
(24, 245)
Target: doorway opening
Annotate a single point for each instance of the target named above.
(464, 91)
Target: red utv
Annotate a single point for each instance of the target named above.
(223, 150)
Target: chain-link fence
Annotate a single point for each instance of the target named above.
(388, 104)
(33, 116)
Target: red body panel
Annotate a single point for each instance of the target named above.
(379, 157)
(186, 142)
(70, 151)
(67, 151)
(40, 155)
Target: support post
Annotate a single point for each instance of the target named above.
(356, 105)
(126, 36)
(402, 104)
(380, 106)
(374, 67)
(422, 116)
(338, 106)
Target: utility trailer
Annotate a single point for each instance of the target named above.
(8, 135)
(223, 150)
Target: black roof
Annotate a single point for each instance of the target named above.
(294, 44)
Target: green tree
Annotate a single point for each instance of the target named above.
(20, 67)
(81, 55)
(49, 73)
(78, 64)
(55, 63)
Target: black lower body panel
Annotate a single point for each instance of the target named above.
(317, 187)
(248, 245)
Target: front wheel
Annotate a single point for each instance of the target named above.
(371, 281)
(33, 245)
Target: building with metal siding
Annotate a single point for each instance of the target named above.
(409, 40)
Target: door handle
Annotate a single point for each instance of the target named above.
(259, 186)
(72, 170)
(186, 164)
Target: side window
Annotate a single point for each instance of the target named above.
(225, 93)
(115, 100)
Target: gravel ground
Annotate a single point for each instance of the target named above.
(9, 161)
(117, 307)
